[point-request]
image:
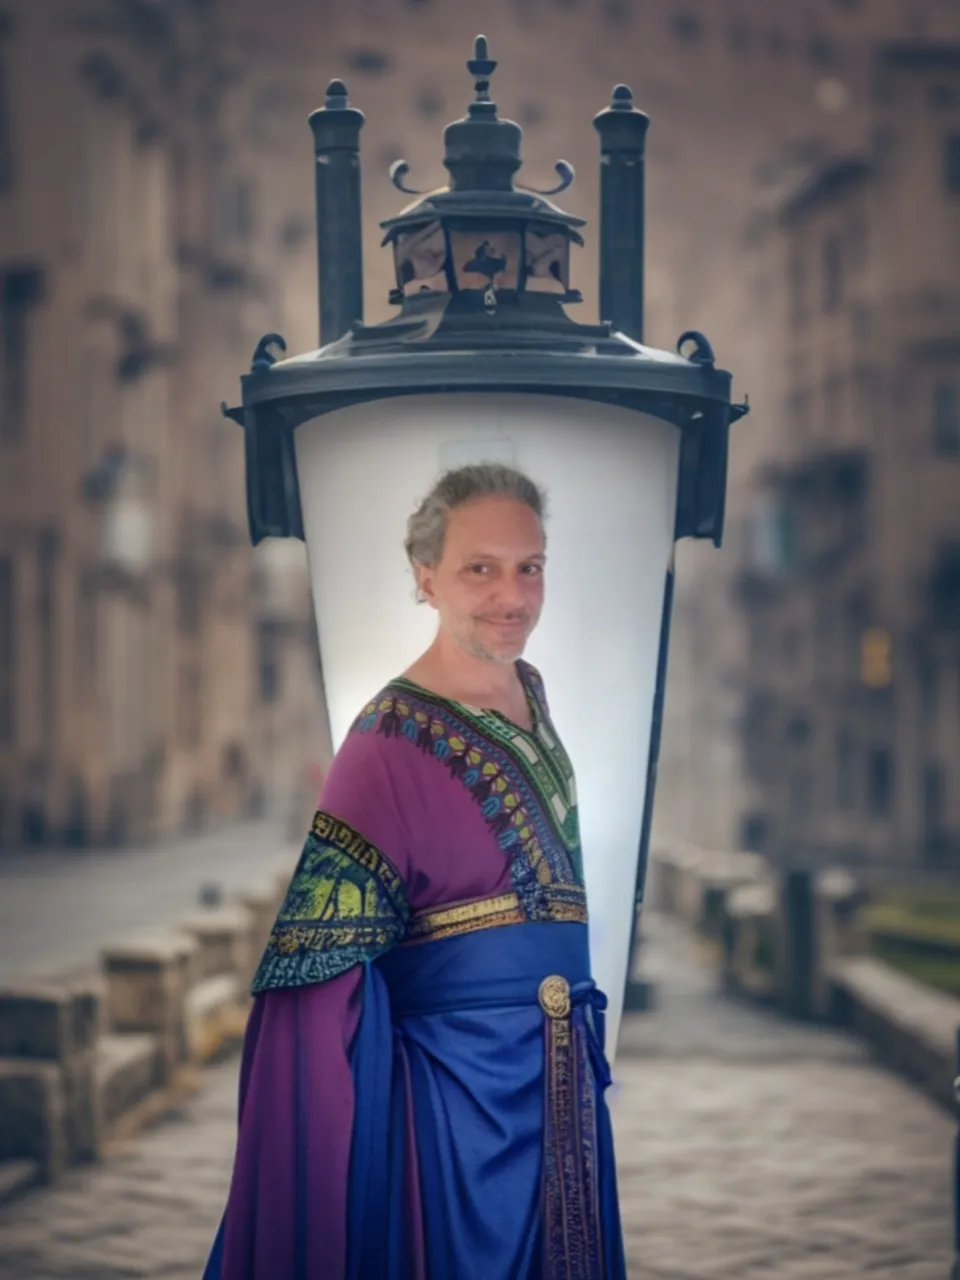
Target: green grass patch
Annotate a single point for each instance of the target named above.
(943, 975)
(930, 927)
(918, 932)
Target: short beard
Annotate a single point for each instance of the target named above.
(469, 640)
(478, 650)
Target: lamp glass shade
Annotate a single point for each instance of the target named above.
(611, 481)
(481, 258)
(421, 260)
(547, 260)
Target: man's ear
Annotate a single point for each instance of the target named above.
(426, 590)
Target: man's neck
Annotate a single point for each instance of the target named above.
(447, 669)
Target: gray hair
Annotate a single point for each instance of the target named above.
(427, 527)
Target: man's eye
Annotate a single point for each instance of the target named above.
(533, 570)
(478, 568)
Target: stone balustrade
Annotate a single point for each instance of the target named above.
(86, 1058)
(793, 940)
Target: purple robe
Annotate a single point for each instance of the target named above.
(428, 807)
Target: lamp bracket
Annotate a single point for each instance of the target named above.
(702, 351)
(263, 357)
(566, 173)
(398, 171)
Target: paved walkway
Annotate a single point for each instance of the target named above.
(750, 1149)
(58, 907)
(753, 1148)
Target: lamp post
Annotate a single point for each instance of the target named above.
(955, 1273)
(483, 363)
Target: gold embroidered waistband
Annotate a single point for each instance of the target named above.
(488, 913)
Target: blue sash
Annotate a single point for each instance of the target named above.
(504, 1028)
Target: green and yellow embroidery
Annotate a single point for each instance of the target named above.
(522, 782)
(346, 904)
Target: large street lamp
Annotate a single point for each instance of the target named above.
(484, 364)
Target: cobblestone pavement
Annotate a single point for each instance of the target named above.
(754, 1148)
(58, 907)
(749, 1148)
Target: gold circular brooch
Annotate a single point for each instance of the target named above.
(554, 996)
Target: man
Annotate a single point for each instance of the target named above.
(423, 1072)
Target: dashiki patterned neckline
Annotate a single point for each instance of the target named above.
(523, 782)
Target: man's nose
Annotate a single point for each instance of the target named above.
(511, 589)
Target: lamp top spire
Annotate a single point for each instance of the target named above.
(482, 151)
(481, 66)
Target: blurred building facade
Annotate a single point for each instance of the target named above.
(849, 582)
(739, 91)
(138, 634)
(743, 94)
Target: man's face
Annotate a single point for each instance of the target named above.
(488, 586)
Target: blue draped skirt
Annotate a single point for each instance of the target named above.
(482, 1146)
(484, 1084)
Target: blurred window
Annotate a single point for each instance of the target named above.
(876, 658)
(369, 62)
(687, 26)
(6, 134)
(189, 599)
(846, 776)
(880, 777)
(235, 207)
(946, 419)
(754, 832)
(855, 621)
(801, 795)
(739, 38)
(86, 640)
(48, 559)
(797, 283)
(790, 646)
(951, 164)
(942, 97)
(18, 291)
(934, 793)
(822, 52)
(856, 242)
(8, 651)
(798, 405)
(616, 13)
(799, 730)
(832, 273)
(929, 678)
(233, 762)
(944, 586)
(833, 407)
(190, 704)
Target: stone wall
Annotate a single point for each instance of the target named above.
(792, 939)
(92, 1057)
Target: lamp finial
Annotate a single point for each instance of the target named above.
(481, 66)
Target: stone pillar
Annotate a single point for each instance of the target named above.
(147, 979)
(46, 1027)
(836, 899)
(33, 1115)
(225, 936)
(798, 935)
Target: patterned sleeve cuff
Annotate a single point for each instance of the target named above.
(346, 904)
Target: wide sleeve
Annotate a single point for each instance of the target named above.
(346, 904)
(287, 1211)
